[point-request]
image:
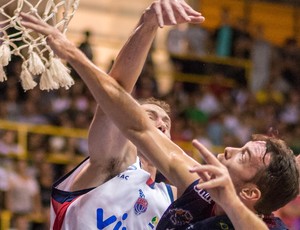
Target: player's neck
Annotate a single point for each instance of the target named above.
(150, 169)
(147, 166)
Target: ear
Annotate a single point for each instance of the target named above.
(250, 193)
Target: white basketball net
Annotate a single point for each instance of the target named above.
(39, 62)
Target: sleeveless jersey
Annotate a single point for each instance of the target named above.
(128, 201)
(194, 210)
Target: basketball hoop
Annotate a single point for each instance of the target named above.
(39, 62)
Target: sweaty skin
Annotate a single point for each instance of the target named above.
(135, 124)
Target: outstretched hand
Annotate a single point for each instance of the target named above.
(55, 39)
(172, 12)
(168, 12)
(215, 177)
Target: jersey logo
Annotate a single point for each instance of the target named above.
(203, 194)
(223, 226)
(153, 222)
(123, 176)
(102, 224)
(180, 216)
(141, 204)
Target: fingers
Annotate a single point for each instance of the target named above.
(188, 13)
(190, 10)
(30, 18)
(206, 154)
(35, 27)
(159, 14)
(177, 5)
(203, 175)
(197, 20)
(211, 169)
(210, 184)
(32, 22)
(27, 17)
(171, 12)
(218, 177)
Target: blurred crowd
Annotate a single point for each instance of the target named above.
(215, 113)
(227, 114)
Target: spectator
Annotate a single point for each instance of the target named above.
(198, 42)
(223, 36)
(261, 56)
(23, 195)
(177, 42)
(242, 39)
(9, 143)
(85, 46)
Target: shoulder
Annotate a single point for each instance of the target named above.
(275, 223)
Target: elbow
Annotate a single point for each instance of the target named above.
(137, 132)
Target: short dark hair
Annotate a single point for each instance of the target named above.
(151, 100)
(279, 180)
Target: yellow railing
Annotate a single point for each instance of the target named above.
(274, 17)
(203, 79)
(5, 217)
(23, 129)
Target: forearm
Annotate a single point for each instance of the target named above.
(126, 69)
(131, 59)
(114, 100)
(243, 218)
(133, 121)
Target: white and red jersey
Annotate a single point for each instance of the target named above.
(129, 201)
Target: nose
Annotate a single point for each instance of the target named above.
(162, 127)
(228, 153)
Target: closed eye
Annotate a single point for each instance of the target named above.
(243, 157)
(151, 115)
(168, 125)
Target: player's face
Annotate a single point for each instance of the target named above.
(160, 118)
(243, 163)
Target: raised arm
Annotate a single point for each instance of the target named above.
(222, 191)
(128, 66)
(130, 60)
(121, 107)
(126, 69)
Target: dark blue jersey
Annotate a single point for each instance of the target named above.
(274, 223)
(213, 223)
(194, 210)
(194, 205)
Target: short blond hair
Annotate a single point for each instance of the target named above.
(162, 104)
